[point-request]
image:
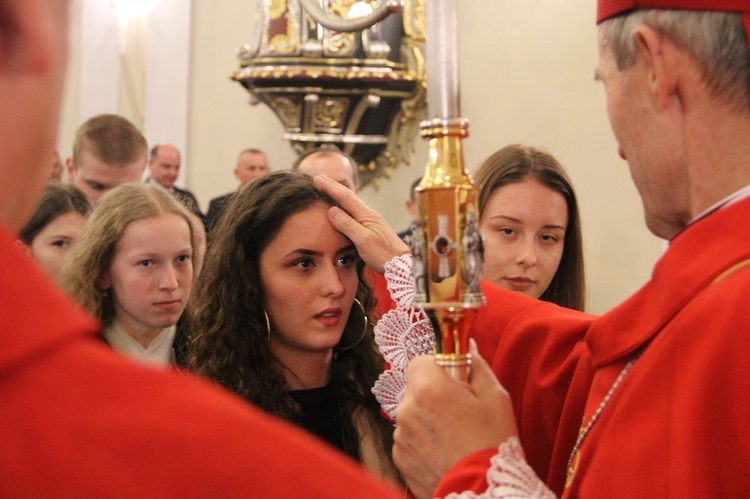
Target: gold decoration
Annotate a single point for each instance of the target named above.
(329, 115)
(351, 89)
(287, 109)
(276, 8)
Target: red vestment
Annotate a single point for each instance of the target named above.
(676, 426)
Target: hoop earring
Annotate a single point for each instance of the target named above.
(364, 330)
(268, 325)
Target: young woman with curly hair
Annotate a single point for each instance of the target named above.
(280, 317)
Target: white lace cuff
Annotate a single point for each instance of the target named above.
(510, 476)
(401, 334)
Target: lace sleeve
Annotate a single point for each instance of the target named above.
(401, 334)
(510, 476)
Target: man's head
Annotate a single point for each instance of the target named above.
(330, 162)
(669, 71)
(108, 151)
(412, 204)
(33, 55)
(251, 164)
(164, 164)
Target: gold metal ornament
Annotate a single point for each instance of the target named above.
(446, 246)
(343, 72)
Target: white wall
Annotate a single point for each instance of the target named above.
(527, 76)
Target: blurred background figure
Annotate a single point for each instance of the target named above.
(530, 226)
(134, 270)
(55, 225)
(164, 167)
(251, 164)
(412, 208)
(58, 168)
(331, 162)
(108, 151)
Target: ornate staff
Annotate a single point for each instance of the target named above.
(446, 244)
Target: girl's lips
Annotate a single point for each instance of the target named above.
(519, 283)
(168, 305)
(329, 317)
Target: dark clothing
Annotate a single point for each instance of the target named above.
(189, 200)
(321, 416)
(216, 209)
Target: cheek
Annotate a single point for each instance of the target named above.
(552, 260)
(496, 253)
(351, 281)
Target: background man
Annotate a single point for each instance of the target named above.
(331, 162)
(251, 164)
(108, 151)
(78, 419)
(412, 208)
(164, 165)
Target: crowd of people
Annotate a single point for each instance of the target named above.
(131, 368)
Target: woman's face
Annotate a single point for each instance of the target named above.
(309, 278)
(52, 243)
(151, 274)
(523, 226)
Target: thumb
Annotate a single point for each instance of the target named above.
(483, 378)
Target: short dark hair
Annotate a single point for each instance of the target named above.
(111, 138)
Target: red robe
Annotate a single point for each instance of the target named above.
(677, 425)
(78, 420)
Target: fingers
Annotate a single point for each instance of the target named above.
(376, 242)
(345, 224)
(348, 200)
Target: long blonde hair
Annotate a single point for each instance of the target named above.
(93, 253)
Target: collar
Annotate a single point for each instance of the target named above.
(158, 352)
(727, 201)
(723, 240)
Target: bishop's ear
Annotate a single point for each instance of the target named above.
(660, 60)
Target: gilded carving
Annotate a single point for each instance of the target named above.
(288, 111)
(330, 114)
(298, 57)
(276, 8)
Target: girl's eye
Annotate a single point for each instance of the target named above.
(347, 260)
(145, 263)
(183, 258)
(549, 238)
(506, 231)
(304, 263)
(62, 243)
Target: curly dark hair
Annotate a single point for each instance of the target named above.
(230, 335)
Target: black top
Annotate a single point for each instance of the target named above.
(321, 415)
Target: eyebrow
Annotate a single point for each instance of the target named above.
(511, 219)
(96, 185)
(302, 251)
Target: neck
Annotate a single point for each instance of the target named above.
(719, 156)
(304, 370)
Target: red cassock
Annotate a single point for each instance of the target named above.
(676, 425)
(79, 420)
